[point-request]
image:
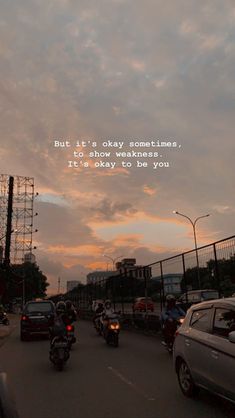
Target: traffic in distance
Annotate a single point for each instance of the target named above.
(200, 340)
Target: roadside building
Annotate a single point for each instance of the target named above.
(128, 266)
(71, 284)
(172, 282)
(99, 276)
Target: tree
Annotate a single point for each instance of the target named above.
(27, 276)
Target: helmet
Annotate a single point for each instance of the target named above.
(68, 304)
(170, 298)
(60, 307)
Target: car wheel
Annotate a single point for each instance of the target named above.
(185, 379)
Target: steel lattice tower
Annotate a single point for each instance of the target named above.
(22, 215)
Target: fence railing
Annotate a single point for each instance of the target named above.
(215, 269)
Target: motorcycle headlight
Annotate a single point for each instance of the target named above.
(114, 326)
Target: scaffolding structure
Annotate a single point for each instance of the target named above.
(22, 215)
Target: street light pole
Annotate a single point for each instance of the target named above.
(193, 223)
(113, 259)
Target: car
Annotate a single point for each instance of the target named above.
(140, 304)
(37, 318)
(204, 349)
(192, 297)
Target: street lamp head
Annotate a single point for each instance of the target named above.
(175, 211)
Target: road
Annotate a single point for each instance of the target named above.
(136, 380)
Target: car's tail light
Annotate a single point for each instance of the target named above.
(69, 328)
(24, 318)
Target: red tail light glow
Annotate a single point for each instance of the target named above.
(69, 328)
(24, 318)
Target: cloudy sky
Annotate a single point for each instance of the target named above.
(75, 69)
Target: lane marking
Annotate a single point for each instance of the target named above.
(130, 384)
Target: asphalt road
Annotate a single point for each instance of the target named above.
(136, 380)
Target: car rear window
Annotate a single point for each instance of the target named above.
(210, 295)
(224, 322)
(39, 307)
(201, 319)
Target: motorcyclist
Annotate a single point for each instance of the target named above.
(70, 311)
(107, 312)
(98, 312)
(170, 313)
(3, 316)
(60, 321)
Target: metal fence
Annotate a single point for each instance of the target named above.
(209, 267)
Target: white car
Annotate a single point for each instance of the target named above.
(204, 349)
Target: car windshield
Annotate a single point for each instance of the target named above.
(210, 295)
(39, 307)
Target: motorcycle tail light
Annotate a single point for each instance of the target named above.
(69, 328)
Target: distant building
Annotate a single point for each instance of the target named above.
(98, 276)
(172, 282)
(29, 258)
(128, 266)
(71, 284)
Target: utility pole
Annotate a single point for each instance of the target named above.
(58, 285)
(9, 221)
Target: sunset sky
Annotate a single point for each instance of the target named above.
(75, 69)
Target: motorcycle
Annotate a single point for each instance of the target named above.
(70, 335)
(98, 325)
(4, 319)
(169, 329)
(112, 330)
(59, 351)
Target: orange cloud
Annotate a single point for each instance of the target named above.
(82, 250)
(149, 190)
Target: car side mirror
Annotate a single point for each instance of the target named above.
(231, 337)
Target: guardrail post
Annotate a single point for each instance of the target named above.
(185, 278)
(217, 274)
(163, 290)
